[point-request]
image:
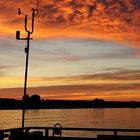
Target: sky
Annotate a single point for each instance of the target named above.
(81, 49)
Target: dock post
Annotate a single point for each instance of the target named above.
(115, 133)
(46, 132)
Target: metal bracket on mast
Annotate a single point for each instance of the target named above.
(29, 32)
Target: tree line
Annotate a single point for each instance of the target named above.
(35, 102)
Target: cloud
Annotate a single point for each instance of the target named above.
(113, 78)
(3, 69)
(124, 76)
(101, 20)
(78, 50)
(104, 19)
(86, 92)
(116, 18)
(111, 85)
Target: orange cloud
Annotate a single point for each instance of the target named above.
(119, 85)
(112, 20)
(117, 77)
(77, 92)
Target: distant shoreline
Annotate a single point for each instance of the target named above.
(37, 103)
(69, 108)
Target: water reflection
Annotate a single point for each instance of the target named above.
(95, 118)
(10, 118)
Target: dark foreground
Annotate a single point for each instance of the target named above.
(56, 133)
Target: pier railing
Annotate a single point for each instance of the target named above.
(51, 131)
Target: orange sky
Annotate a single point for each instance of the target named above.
(82, 18)
(82, 49)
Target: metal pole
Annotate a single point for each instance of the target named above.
(26, 75)
(29, 32)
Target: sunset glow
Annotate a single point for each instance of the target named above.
(82, 49)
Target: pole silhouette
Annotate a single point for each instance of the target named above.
(29, 32)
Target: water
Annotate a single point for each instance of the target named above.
(91, 118)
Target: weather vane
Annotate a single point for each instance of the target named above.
(29, 32)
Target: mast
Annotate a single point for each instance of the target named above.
(29, 32)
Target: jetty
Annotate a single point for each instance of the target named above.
(57, 132)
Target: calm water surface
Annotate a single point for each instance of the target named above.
(92, 118)
(100, 118)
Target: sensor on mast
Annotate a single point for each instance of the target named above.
(29, 32)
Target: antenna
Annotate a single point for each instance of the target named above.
(29, 32)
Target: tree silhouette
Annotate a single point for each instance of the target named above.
(26, 100)
(35, 101)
